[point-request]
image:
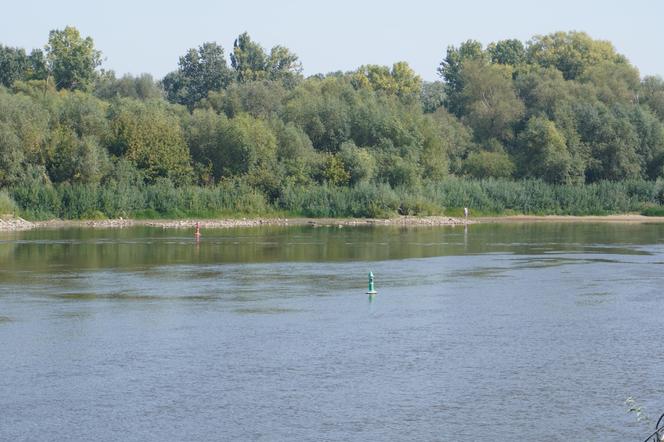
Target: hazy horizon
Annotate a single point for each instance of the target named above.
(149, 37)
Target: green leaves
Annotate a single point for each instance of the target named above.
(401, 80)
(149, 134)
(561, 108)
(510, 52)
(572, 53)
(248, 59)
(542, 152)
(72, 60)
(488, 100)
(200, 71)
(252, 63)
(16, 65)
(238, 146)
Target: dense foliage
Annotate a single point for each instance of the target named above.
(559, 124)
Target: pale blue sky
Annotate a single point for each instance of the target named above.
(148, 36)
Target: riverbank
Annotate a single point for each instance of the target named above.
(12, 223)
(18, 224)
(625, 218)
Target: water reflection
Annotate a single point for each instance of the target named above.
(46, 250)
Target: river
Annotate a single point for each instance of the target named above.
(498, 332)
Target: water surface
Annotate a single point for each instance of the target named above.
(498, 332)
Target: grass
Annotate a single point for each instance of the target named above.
(236, 199)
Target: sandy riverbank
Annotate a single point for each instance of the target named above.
(17, 224)
(627, 218)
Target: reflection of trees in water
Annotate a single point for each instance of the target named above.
(57, 250)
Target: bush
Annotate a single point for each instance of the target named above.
(7, 204)
(653, 211)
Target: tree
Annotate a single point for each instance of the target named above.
(75, 160)
(547, 94)
(650, 149)
(614, 83)
(450, 70)
(11, 155)
(542, 152)
(72, 60)
(293, 143)
(295, 152)
(232, 147)
(321, 108)
(434, 149)
(456, 136)
(488, 100)
(149, 134)
(358, 162)
(200, 71)
(612, 141)
(248, 59)
(284, 66)
(259, 98)
(485, 164)
(16, 65)
(398, 169)
(511, 52)
(652, 95)
(252, 63)
(401, 80)
(204, 134)
(38, 69)
(333, 171)
(248, 144)
(572, 53)
(23, 133)
(142, 87)
(83, 113)
(408, 83)
(545, 91)
(13, 65)
(432, 95)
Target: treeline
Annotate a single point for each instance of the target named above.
(559, 124)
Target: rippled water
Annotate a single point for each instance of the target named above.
(496, 332)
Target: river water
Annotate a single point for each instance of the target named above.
(494, 332)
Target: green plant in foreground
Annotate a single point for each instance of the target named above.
(634, 407)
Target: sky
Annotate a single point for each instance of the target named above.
(149, 36)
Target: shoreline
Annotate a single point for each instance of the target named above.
(19, 224)
(622, 219)
(9, 224)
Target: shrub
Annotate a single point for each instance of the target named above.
(653, 211)
(7, 204)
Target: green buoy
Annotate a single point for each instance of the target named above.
(372, 290)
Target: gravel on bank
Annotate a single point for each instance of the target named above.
(9, 224)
